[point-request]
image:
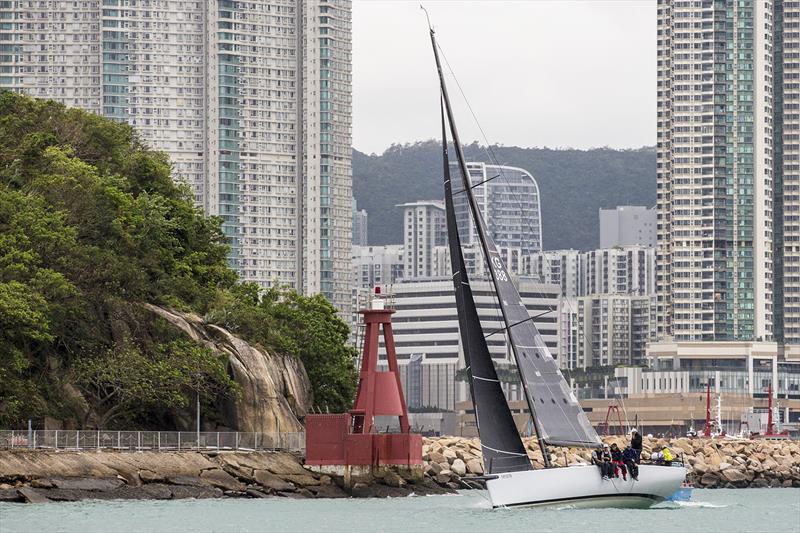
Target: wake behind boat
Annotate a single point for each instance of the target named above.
(558, 418)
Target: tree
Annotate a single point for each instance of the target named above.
(127, 380)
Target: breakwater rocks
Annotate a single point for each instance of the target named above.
(40, 476)
(712, 463)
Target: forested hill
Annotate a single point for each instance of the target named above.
(574, 184)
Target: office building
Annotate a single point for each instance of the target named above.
(424, 228)
(250, 100)
(627, 225)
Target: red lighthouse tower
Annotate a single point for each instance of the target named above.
(351, 438)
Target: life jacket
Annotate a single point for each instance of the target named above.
(667, 454)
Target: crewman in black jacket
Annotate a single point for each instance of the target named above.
(636, 444)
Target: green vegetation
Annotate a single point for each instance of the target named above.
(91, 226)
(573, 185)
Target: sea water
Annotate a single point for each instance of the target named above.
(772, 510)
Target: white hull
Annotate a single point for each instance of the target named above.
(582, 486)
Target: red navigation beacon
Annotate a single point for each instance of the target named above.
(352, 438)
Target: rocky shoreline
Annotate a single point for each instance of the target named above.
(42, 476)
(712, 463)
(450, 464)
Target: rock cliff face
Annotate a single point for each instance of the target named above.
(275, 390)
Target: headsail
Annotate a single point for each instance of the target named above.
(557, 415)
(503, 450)
(559, 418)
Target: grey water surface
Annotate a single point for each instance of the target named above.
(746, 510)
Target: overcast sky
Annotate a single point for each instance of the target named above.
(556, 73)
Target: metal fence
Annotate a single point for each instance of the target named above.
(59, 439)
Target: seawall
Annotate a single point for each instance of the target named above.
(449, 463)
(712, 463)
(39, 476)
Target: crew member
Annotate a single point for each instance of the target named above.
(629, 458)
(616, 458)
(636, 444)
(602, 458)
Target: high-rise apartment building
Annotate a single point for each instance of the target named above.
(424, 229)
(251, 100)
(360, 221)
(377, 266)
(622, 270)
(613, 329)
(718, 195)
(508, 199)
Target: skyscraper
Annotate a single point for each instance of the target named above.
(716, 182)
(251, 100)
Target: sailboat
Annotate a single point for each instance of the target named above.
(558, 418)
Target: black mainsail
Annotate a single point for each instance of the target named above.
(558, 417)
(501, 445)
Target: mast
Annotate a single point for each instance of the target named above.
(557, 415)
(501, 444)
(479, 224)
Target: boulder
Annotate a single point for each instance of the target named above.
(443, 477)
(458, 467)
(180, 492)
(222, 480)
(32, 495)
(474, 466)
(436, 457)
(273, 482)
(304, 480)
(393, 479)
(10, 495)
(734, 476)
(450, 455)
(434, 469)
(148, 476)
(709, 480)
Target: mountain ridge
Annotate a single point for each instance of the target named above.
(573, 185)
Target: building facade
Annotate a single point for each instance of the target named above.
(251, 101)
(627, 225)
(508, 199)
(566, 268)
(613, 329)
(716, 181)
(377, 266)
(360, 220)
(426, 331)
(424, 228)
(625, 270)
